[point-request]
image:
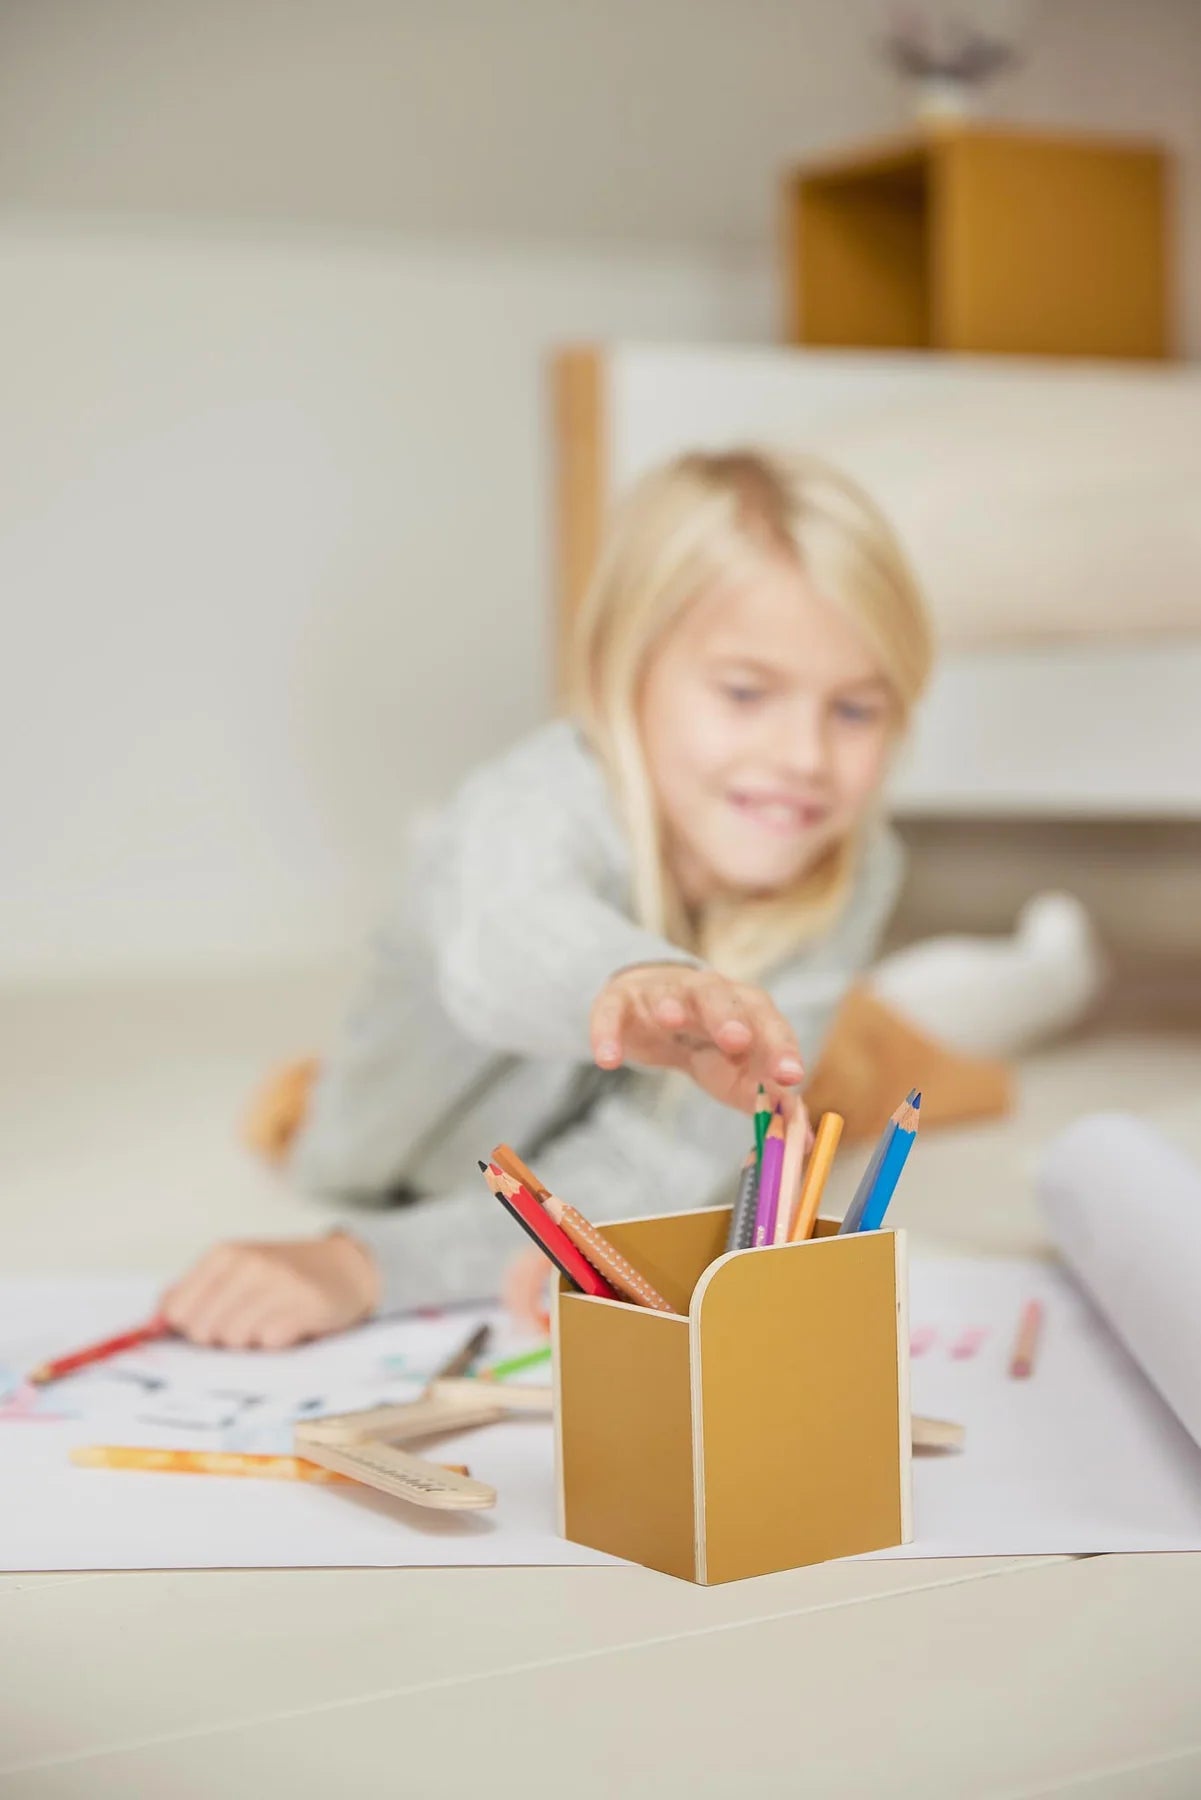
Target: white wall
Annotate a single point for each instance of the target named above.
(273, 566)
(277, 282)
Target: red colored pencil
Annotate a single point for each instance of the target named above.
(550, 1238)
(94, 1353)
(1026, 1345)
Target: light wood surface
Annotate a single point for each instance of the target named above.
(977, 238)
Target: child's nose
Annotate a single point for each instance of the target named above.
(802, 748)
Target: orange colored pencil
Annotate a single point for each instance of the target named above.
(590, 1242)
(593, 1244)
(1025, 1347)
(821, 1157)
(506, 1158)
(209, 1462)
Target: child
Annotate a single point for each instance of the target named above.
(687, 876)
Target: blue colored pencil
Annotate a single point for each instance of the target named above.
(885, 1183)
(853, 1218)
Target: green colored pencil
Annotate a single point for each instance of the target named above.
(762, 1121)
(514, 1365)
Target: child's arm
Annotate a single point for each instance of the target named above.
(514, 919)
(536, 953)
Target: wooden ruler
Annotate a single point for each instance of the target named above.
(367, 1445)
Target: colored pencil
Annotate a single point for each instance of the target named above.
(742, 1217)
(515, 1365)
(468, 1353)
(770, 1170)
(821, 1158)
(210, 1462)
(889, 1173)
(610, 1263)
(550, 1238)
(94, 1353)
(796, 1134)
(854, 1211)
(1025, 1346)
(762, 1121)
(506, 1158)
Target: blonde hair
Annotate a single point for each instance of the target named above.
(701, 518)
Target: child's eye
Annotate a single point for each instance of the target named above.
(856, 713)
(740, 694)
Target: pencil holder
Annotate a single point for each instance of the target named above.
(764, 1425)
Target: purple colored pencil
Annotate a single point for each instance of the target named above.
(770, 1171)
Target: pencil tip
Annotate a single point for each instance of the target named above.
(916, 1102)
(482, 1166)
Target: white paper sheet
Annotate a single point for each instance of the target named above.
(56, 1516)
(1084, 1456)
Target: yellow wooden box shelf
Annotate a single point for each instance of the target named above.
(764, 1426)
(983, 238)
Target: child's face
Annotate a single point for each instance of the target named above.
(766, 723)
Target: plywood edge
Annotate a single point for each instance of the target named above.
(700, 1554)
(652, 1218)
(580, 448)
(556, 1371)
(904, 1402)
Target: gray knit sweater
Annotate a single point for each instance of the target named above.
(473, 1027)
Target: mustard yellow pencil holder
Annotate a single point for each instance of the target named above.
(764, 1425)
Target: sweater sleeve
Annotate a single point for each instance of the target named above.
(510, 922)
(385, 1086)
(625, 1159)
(526, 916)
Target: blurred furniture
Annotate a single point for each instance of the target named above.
(1050, 513)
(976, 238)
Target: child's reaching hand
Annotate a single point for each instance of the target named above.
(267, 1296)
(727, 1036)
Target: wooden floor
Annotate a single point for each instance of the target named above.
(917, 1679)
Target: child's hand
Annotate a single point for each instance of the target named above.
(523, 1291)
(280, 1108)
(270, 1295)
(727, 1036)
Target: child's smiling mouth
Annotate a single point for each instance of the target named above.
(783, 815)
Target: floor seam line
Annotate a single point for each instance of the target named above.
(1068, 1782)
(530, 1667)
